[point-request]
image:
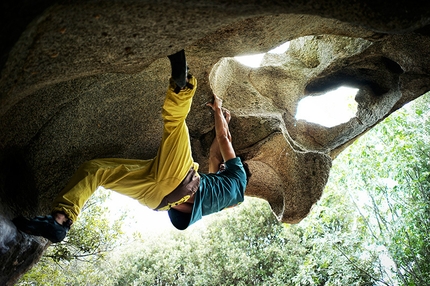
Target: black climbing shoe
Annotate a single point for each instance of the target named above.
(45, 226)
(178, 63)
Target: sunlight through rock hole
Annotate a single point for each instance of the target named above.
(254, 61)
(330, 109)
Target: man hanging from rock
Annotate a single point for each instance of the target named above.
(169, 181)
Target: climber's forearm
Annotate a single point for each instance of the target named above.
(223, 135)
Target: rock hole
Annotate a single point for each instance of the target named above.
(254, 61)
(330, 109)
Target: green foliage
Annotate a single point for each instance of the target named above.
(92, 235)
(228, 251)
(242, 246)
(391, 167)
(88, 241)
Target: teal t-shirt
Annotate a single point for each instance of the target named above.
(216, 192)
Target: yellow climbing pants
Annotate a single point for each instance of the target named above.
(147, 181)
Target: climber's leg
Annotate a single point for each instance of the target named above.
(121, 175)
(174, 158)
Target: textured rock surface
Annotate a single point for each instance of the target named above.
(18, 252)
(86, 79)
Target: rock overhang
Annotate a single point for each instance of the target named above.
(70, 80)
(87, 79)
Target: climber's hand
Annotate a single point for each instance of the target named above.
(217, 103)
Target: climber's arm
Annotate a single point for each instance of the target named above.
(223, 137)
(215, 157)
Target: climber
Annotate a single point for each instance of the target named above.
(169, 181)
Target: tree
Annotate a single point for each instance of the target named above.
(391, 167)
(89, 240)
(245, 245)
